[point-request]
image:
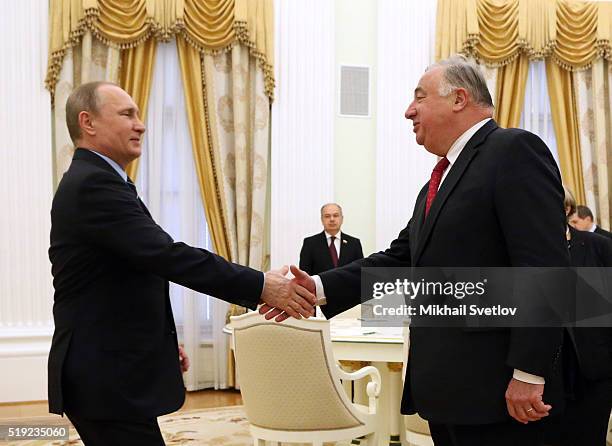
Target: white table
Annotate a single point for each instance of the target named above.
(383, 347)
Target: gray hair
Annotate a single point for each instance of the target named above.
(459, 72)
(331, 204)
(83, 98)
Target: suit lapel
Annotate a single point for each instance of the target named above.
(577, 250)
(452, 178)
(84, 154)
(418, 219)
(344, 247)
(324, 250)
(144, 208)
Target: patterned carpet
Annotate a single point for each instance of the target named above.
(226, 426)
(221, 426)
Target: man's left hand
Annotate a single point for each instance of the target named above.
(183, 359)
(524, 401)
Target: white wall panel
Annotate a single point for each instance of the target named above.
(302, 153)
(406, 33)
(26, 292)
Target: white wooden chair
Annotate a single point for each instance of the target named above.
(290, 383)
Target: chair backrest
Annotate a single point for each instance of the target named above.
(288, 375)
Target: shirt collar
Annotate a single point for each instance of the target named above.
(338, 235)
(460, 143)
(593, 228)
(113, 164)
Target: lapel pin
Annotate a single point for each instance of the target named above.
(344, 241)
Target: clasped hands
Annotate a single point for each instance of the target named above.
(283, 297)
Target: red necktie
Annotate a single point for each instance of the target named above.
(434, 182)
(333, 252)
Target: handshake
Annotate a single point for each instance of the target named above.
(283, 297)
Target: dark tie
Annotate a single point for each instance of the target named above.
(332, 251)
(434, 182)
(132, 186)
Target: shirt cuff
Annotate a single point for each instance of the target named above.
(263, 287)
(519, 375)
(321, 299)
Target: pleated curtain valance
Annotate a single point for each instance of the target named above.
(210, 26)
(572, 33)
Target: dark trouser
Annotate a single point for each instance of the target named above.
(510, 433)
(118, 433)
(585, 420)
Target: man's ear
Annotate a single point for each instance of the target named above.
(461, 99)
(86, 123)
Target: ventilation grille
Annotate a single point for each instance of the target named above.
(354, 91)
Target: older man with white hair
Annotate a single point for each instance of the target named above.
(494, 200)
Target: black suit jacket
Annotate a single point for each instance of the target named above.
(601, 231)
(593, 346)
(114, 352)
(315, 257)
(501, 204)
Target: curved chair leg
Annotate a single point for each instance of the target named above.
(370, 439)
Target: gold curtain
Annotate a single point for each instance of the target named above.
(602, 83)
(237, 122)
(573, 33)
(510, 92)
(211, 26)
(565, 120)
(136, 77)
(594, 96)
(191, 72)
(201, 27)
(570, 36)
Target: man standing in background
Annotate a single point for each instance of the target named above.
(583, 220)
(330, 248)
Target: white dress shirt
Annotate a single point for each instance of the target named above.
(452, 156)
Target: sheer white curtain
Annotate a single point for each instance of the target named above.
(302, 124)
(168, 185)
(536, 116)
(406, 35)
(26, 191)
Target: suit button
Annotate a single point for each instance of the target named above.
(172, 332)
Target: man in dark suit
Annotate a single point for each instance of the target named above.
(330, 248)
(114, 360)
(583, 220)
(587, 358)
(494, 199)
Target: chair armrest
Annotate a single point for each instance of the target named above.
(362, 373)
(373, 387)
